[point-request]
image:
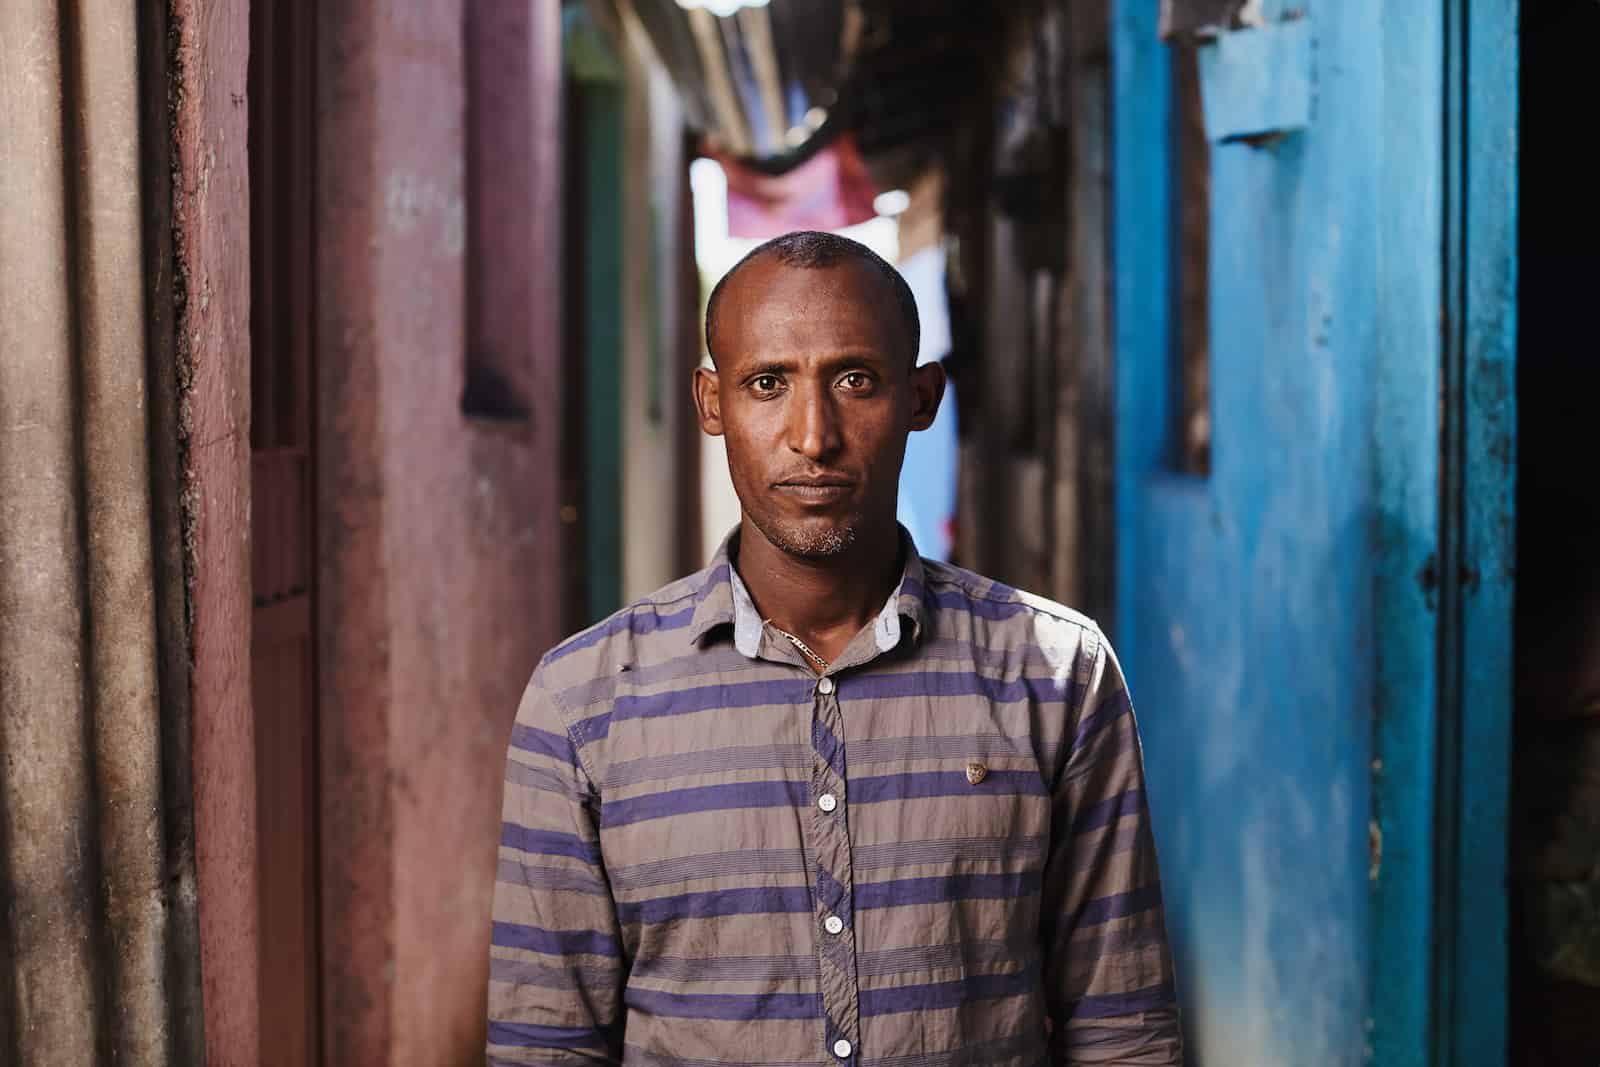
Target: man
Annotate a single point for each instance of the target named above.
(825, 801)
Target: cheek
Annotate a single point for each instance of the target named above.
(881, 444)
(744, 439)
(748, 452)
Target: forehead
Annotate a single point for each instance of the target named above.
(771, 309)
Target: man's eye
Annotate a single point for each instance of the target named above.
(765, 383)
(855, 380)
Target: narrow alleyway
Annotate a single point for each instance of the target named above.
(344, 364)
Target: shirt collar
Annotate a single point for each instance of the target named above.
(723, 600)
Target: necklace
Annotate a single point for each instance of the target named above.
(801, 645)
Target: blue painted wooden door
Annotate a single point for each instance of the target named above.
(1316, 629)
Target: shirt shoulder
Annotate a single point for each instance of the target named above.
(1003, 615)
(654, 627)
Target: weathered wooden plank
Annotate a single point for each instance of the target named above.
(211, 212)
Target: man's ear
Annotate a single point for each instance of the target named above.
(708, 400)
(927, 387)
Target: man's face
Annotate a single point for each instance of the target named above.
(814, 392)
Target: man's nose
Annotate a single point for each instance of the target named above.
(814, 424)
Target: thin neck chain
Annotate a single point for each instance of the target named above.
(801, 645)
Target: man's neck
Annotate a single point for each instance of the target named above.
(823, 602)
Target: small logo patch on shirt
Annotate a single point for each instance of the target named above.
(976, 772)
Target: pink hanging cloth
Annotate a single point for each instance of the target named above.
(829, 191)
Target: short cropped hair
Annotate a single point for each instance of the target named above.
(813, 250)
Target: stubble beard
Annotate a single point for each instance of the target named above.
(808, 542)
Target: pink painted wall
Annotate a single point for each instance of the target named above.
(211, 245)
(440, 543)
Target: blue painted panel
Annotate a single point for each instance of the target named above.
(1245, 605)
(1489, 109)
(1406, 449)
(1257, 82)
(1318, 635)
(1142, 223)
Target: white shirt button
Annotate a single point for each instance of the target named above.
(833, 924)
(841, 1048)
(825, 686)
(827, 802)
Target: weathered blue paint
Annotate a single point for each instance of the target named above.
(1410, 281)
(1142, 222)
(1246, 598)
(1444, 694)
(1484, 334)
(1258, 82)
(1318, 634)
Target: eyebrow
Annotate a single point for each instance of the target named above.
(767, 366)
(836, 361)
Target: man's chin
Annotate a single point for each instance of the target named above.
(811, 540)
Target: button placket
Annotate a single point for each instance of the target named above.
(833, 878)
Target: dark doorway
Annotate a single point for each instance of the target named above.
(1555, 954)
(282, 442)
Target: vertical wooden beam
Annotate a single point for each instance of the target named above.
(210, 52)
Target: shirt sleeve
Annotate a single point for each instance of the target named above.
(556, 964)
(1108, 967)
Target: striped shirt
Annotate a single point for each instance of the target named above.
(936, 854)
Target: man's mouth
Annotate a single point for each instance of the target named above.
(815, 490)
